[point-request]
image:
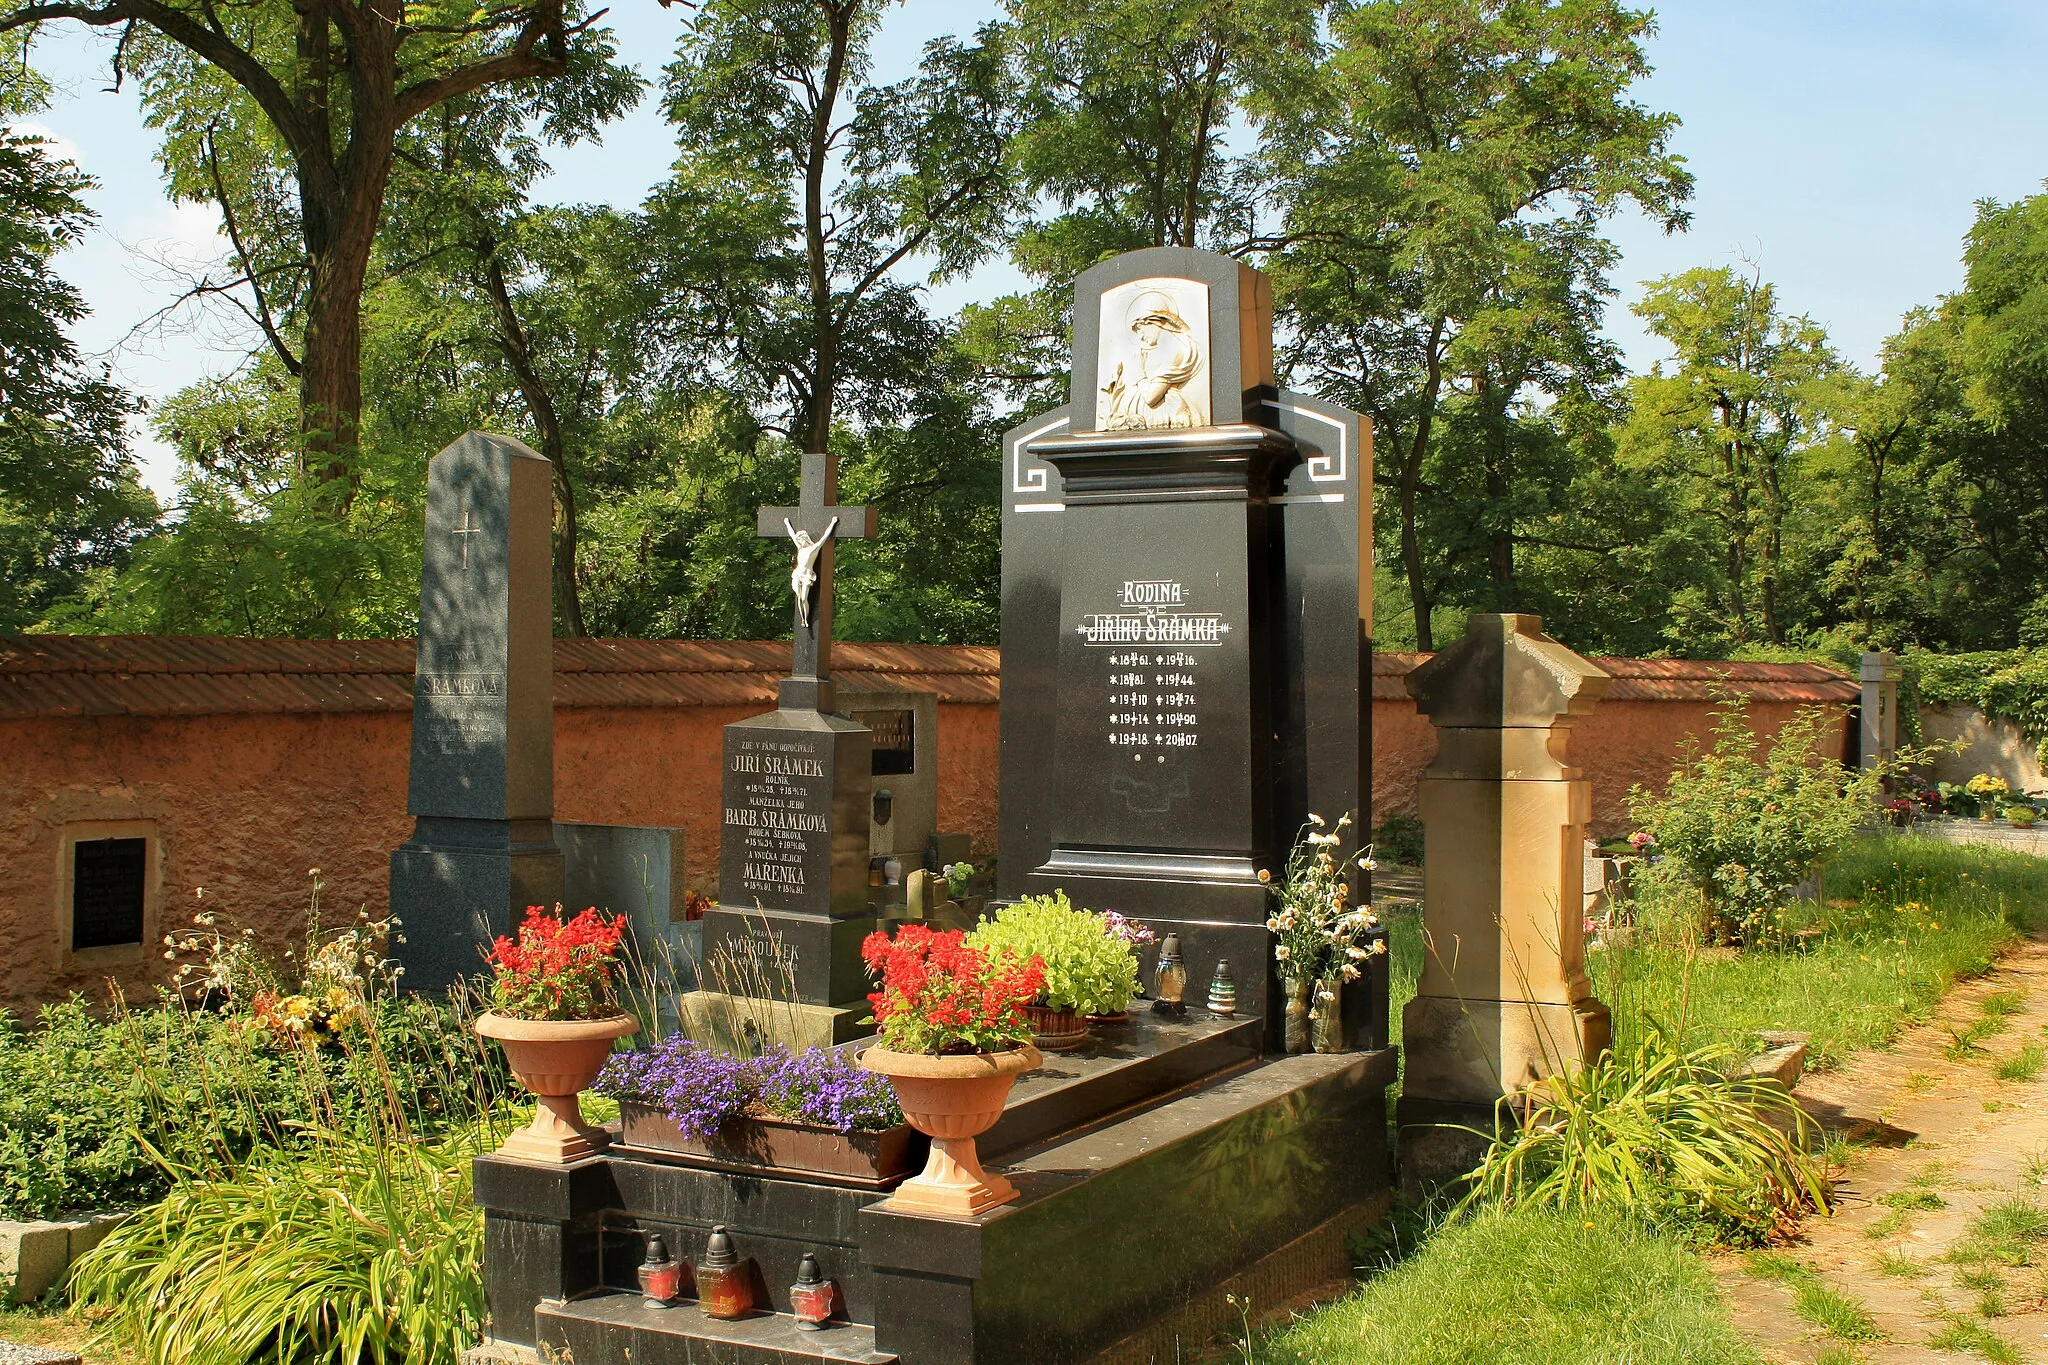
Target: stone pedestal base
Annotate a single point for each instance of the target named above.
(458, 884)
(1440, 1143)
(1475, 1051)
(744, 1022)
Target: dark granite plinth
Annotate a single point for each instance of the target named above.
(811, 959)
(458, 884)
(1130, 1221)
(601, 1328)
(1179, 1160)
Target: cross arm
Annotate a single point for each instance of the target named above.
(855, 523)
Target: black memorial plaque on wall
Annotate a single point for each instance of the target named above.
(895, 740)
(108, 887)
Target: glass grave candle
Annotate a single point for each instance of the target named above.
(725, 1282)
(1170, 981)
(811, 1297)
(661, 1275)
(1223, 990)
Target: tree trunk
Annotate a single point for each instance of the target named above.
(825, 371)
(1410, 480)
(547, 424)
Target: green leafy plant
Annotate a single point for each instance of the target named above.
(345, 1250)
(1742, 829)
(1088, 969)
(1660, 1133)
(2022, 817)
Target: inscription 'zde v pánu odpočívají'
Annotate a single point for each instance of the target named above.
(786, 796)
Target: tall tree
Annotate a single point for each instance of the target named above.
(1439, 220)
(1731, 418)
(71, 504)
(839, 186)
(1132, 133)
(288, 115)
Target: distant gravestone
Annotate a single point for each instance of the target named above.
(482, 780)
(1186, 608)
(794, 819)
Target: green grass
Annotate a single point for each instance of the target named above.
(1833, 1312)
(1526, 1288)
(1909, 1201)
(1907, 918)
(1979, 1340)
(2006, 1233)
(2024, 1065)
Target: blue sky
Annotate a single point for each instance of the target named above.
(1840, 145)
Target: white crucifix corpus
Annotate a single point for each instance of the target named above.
(804, 576)
(463, 533)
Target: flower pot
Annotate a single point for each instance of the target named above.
(1056, 1030)
(867, 1159)
(953, 1100)
(1120, 1017)
(556, 1060)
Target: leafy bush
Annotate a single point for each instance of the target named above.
(97, 1113)
(1399, 840)
(344, 1249)
(1743, 831)
(1905, 919)
(1088, 969)
(1659, 1134)
(2011, 684)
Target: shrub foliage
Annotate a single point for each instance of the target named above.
(1743, 829)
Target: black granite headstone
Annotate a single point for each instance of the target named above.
(794, 813)
(482, 781)
(1186, 608)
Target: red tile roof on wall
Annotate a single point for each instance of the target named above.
(168, 675)
(154, 675)
(1671, 680)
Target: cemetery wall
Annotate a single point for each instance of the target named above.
(1632, 736)
(241, 764)
(245, 763)
(1992, 744)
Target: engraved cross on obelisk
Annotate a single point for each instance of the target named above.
(813, 525)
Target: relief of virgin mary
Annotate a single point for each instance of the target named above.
(1167, 359)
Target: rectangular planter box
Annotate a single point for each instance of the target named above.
(869, 1161)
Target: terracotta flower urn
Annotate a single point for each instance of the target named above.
(953, 1100)
(556, 1060)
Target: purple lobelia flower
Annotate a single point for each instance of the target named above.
(700, 1087)
(823, 1086)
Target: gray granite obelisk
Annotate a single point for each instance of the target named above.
(483, 739)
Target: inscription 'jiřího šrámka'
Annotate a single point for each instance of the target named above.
(1148, 624)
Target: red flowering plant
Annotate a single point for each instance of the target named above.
(556, 969)
(941, 997)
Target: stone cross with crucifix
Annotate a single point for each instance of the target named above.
(812, 526)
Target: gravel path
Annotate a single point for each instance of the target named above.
(1942, 1141)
